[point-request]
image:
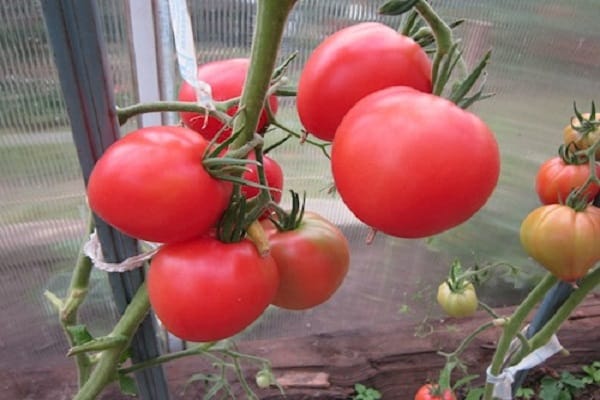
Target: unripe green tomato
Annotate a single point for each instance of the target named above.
(461, 303)
(264, 379)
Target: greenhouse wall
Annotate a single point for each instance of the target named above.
(545, 56)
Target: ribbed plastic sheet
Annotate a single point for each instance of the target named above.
(546, 54)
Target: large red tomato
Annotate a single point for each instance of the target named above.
(564, 241)
(273, 176)
(411, 164)
(151, 185)
(312, 261)
(555, 180)
(204, 290)
(351, 64)
(226, 78)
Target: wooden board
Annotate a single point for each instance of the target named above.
(391, 358)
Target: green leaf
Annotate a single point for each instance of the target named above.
(80, 334)
(475, 394)
(565, 395)
(550, 389)
(360, 388)
(127, 385)
(570, 380)
(525, 393)
(397, 7)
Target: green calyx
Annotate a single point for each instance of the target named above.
(291, 220)
(584, 125)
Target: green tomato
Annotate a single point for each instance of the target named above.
(458, 303)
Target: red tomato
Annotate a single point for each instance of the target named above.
(151, 185)
(226, 79)
(412, 164)
(273, 175)
(564, 241)
(351, 64)
(204, 290)
(555, 180)
(432, 392)
(312, 261)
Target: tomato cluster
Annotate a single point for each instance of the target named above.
(397, 151)
(405, 161)
(563, 234)
(153, 185)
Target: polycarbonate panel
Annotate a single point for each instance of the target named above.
(546, 54)
(43, 212)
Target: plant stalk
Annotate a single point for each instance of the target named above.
(68, 309)
(551, 327)
(271, 17)
(513, 326)
(104, 372)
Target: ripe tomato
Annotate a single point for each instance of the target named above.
(432, 392)
(273, 175)
(412, 164)
(351, 64)
(205, 290)
(581, 141)
(457, 303)
(151, 185)
(555, 180)
(226, 78)
(312, 261)
(564, 241)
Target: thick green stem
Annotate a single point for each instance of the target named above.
(124, 113)
(271, 17)
(67, 309)
(513, 326)
(105, 371)
(443, 38)
(551, 327)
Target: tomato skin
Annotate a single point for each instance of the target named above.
(571, 136)
(429, 392)
(564, 241)
(460, 303)
(273, 175)
(351, 64)
(204, 290)
(226, 78)
(555, 180)
(312, 261)
(399, 153)
(151, 185)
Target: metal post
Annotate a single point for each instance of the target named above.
(75, 36)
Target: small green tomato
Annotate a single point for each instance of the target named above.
(264, 378)
(457, 302)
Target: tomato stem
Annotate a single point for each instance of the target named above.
(104, 372)
(513, 326)
(68, 308)
(125, 113)
(586, 285)
(443, 37)
(303, 139)
(271, 16)
(199, 349)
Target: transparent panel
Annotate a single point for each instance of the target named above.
(546, 54)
